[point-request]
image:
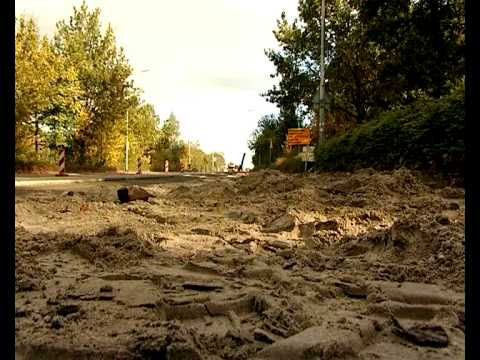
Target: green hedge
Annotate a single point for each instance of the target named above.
(427, 135)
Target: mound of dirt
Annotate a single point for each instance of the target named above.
(415, 248)
(111, 247)
(221, 192)
(29, 275)
(233, 276)
(181, 191)
(401, 181)
(268, 181)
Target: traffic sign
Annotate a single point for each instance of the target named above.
(307, 154)
(299, 137)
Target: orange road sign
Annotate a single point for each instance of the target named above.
(299, 137)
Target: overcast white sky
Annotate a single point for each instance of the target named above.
(205, 58)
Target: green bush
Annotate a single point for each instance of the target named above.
(23, 165)
(427, 135)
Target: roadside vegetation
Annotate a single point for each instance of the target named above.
(426, 135)
(82, 100)
(394, 85)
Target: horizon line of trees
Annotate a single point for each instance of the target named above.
(74, 90)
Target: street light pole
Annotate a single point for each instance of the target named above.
(271, 147)
(321, 127)
(126, 147)
(189, 159)
(126, 133)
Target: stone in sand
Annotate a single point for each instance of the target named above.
(285, 222)
(133, 193)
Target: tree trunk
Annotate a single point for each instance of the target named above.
(37, 130)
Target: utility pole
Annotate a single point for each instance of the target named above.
(189, 160)
(321, 127)
(126, 133)
(126, 147)
(271, 147)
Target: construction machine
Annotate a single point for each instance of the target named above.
(232, 168)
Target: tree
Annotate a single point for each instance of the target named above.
(74, 90)
(218, 161)
(379, 54)
(180, 154)
(294, 82)
(168, 147)
(422, 42)
(144, 131)
(46, 89)
(103, 71)
(170, 130)
(267, 140)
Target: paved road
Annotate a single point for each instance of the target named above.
(30, 180)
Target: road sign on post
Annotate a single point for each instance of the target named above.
(307, 154)
(299, 137)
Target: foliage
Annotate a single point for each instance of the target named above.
(380, 55)
(102, 72)
(167, 146)
(181, 155)
(422, 44)
(29, 165)
(74, 90)
(266, 141)
(202, 161)
(178, 158)
(44, 105)
(427, 135)
(143, 133)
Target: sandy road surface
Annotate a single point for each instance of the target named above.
(269, 266)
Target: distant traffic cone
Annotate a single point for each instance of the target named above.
(61, 162)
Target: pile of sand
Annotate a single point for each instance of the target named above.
(29, 274)
(111, 247)
(267, 182)
(221, 192)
